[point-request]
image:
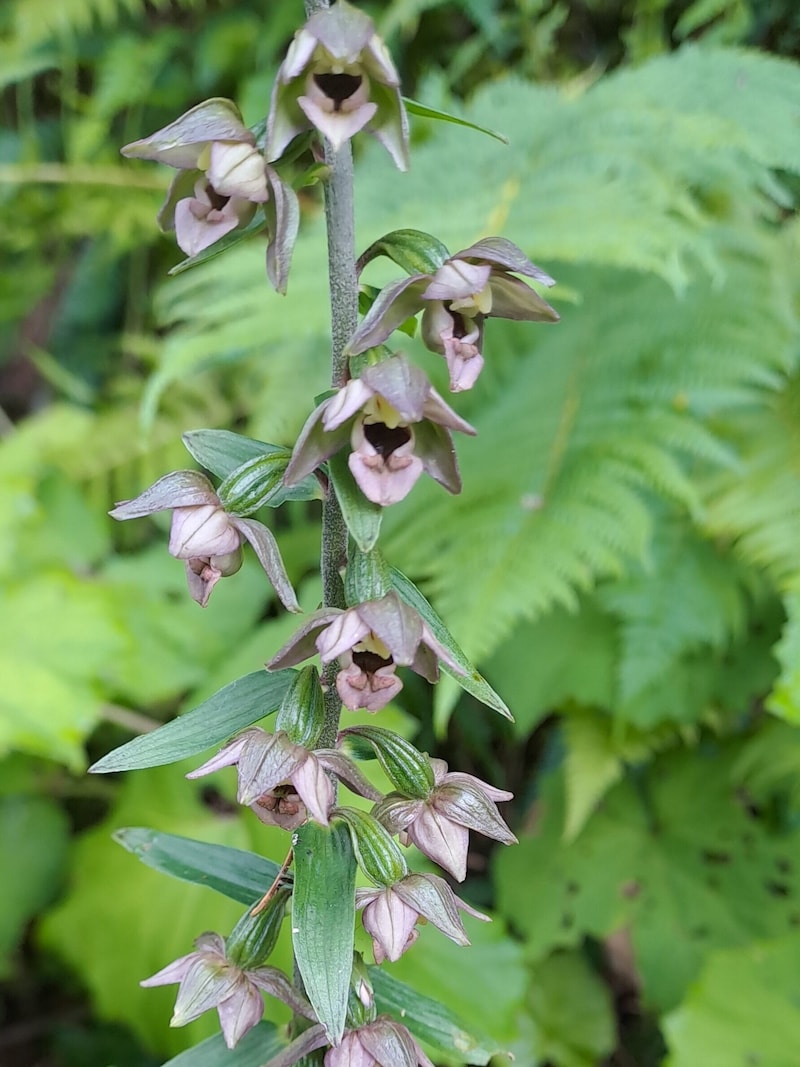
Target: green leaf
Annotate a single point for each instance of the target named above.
(742, 1010)
(238, 705)
(253, 1050)
(429, 1020)
(34, 839)
(242, 876)
(471, 680)
(230, 240)
(426, 112)
(363, 518)
(323, 919)
(223, 452)
(672, 854)
(784, 700)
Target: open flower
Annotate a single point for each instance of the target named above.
(338, 77)
(391, 913)
(370, 640)
(205, 536)
(455, 301)
(382, 1043)
(223, 178)
(439, 825)
(397, 425)
(208, 979)
(284, 783)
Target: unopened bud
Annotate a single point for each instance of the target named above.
(252, 940)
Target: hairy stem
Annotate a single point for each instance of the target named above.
(339, 218)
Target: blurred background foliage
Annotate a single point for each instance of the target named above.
(623, 563)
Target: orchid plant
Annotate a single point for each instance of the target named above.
(385, 417)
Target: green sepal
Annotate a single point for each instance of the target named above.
(367, 295)
(415, 251)
(323, 920)
(367, 576)
(235, 237)
(302, 712)
(363, 518)
(378, 855)
(222, 451)
(408, 769)
(414, 107)
(252, 940)
(254, 483)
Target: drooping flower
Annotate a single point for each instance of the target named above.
(206, 536)
(397, 425)
(208, 979)
(455, 300)
(338, 78)
(223, 178)
(370, 640)
(391, 913)
(282, 782)
(439, 824)
(382, 1043)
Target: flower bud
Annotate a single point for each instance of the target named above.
(254, 483)
(378, 856)
(301, 715)
(408, 770)
(202, 531)
(252, 940)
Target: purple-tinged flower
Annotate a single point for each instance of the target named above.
(391, 913)
(439, 825)
(283, 783)
(223, 178)
(370, 641)
(338, 77)
(205, 536)
(382, 1043)
(208, 979)
(455, 300)
(396, 424)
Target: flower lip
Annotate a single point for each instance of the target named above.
(338, 87)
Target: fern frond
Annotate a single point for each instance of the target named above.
(38, 21)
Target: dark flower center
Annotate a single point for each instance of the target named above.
(384, 439)
(338, 87)
(369, 662)
(459, 327)
(218, 202)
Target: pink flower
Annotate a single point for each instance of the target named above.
(370, 641)
(439, 824)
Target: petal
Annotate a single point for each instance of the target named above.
(173, 972)
(315, 789)
(389, 1042)
(343, 31)
(302, 644)
(346, 771)
(237, 169)
(240, 1012)
(205, 986)
(378, 62)
(344, 631)
(314, 445)
(441, 840)
(460, 777)
(286, 810)
(372, 692)
(440, 412)
(266, 549)
(513, 299)
(457, 280)
(390, 923)
(470, 807)
(179, 489)
(440, 651)
(395, 303)
(197, 229)
(345, 404)
(283, 216)
(202, 530)
(503, 253)
(266, 761)
(397, 812)
(433, 898)
(275, 982)
(337, 126)
(435, 449)
(298, 55)
(390, 124)
(201, 578)
(349, 1053)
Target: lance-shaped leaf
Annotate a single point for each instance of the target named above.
(323, 920)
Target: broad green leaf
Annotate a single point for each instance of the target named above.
(254, 1049)
(592, 765)
(784, 700)
(323, 918)
(363, 518)
(429, 1020)
(742, 1010)
(242, 876)
(426, 112)
(672, 853)
(34, 839)
(238, 705)
(471, 680)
